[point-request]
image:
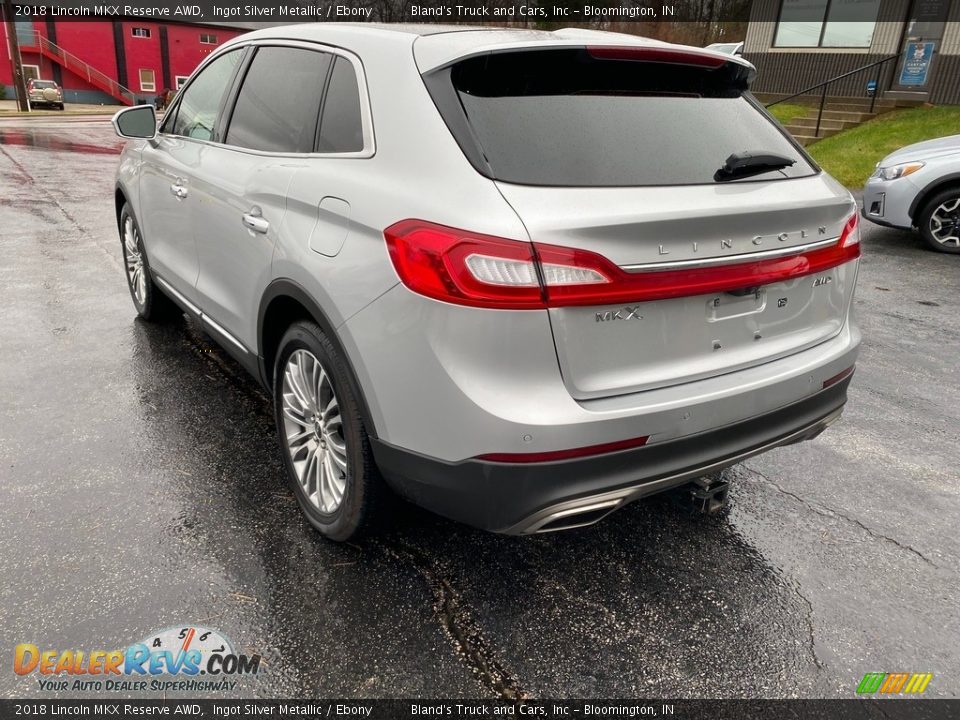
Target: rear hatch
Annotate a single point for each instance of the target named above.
(616, 159)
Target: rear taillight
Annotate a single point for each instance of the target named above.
(464, 268)
(851, 233)
(468, 268)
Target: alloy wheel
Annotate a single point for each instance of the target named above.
(136, 273)
(313, 429)
(945, 223)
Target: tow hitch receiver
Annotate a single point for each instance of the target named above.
(708, 495)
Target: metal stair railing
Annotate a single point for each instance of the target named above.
(81, 68)
(879, 65)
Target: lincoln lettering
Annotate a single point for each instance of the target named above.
(728, 243)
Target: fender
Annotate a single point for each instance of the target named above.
(929, 188)
(127, 196)
(284, 287)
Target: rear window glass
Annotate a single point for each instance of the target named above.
(565, 118)
(43, 83)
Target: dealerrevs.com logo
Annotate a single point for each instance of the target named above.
(188, 659)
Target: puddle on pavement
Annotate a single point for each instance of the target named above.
(50, 141)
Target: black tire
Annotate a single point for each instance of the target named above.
(944, 197)
(59, 106)
(365, 493)
(153, 306)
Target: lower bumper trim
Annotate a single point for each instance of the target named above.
(523, 498)
(547, 519)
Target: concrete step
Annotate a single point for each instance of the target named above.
(811, 122)
(805, 136)
(857, 117)
(814, 98)
(881, 106)
(836, 103)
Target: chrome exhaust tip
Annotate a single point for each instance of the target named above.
(574, 517)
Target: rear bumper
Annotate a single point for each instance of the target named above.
(525, 498)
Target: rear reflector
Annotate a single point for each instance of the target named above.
(564, 454)
(655, 54)
(838, 377)
(466, 268)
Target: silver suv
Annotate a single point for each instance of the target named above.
(919, 186)
(521, 278)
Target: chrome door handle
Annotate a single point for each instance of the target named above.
(179, 191)
(255, 221)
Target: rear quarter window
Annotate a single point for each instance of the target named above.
(566, 118)
(341, 127)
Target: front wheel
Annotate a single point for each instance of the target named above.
(939, 221)
(326, 448)
(151, 304)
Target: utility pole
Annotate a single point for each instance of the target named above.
(16, 62)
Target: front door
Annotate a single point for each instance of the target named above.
(164, 211)
(167, 196)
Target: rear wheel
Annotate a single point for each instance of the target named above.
(148, 299)
(939, 221)
(326, 448)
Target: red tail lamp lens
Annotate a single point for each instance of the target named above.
(467, 268)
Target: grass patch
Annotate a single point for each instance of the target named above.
(850, 156)
(786, 112)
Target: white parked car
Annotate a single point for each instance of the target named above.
(918, 186)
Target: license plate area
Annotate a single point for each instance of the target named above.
(728, 305)
(605, 351)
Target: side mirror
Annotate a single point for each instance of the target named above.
(136, 122)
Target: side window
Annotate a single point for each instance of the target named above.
(197, 109)
(279, 101)
(341, 129)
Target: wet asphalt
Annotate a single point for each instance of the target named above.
(141, 488)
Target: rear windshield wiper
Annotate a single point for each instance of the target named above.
(751, 162)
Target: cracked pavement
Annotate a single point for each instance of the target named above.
(141, 488)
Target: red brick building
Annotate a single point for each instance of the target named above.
(119, 61)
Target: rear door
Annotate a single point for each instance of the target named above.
(242, 185)
(618, 152)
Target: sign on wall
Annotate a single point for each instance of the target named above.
(916, 63)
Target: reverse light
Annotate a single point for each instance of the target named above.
(499, 271)
(466, 268)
